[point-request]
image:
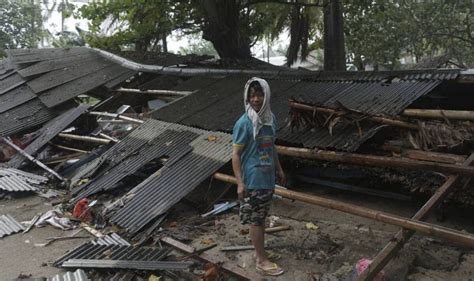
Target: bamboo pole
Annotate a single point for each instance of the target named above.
(439, 114)
(116, 115)
(451, 235)
(32, 159)
(377, 119)
(84, 138)
(155, 92)
(69, 148)
(403, 235)
(371, 160)
(423, 155)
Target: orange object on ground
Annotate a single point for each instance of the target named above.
(82, 211)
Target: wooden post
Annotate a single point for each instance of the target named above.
(403, 235)
(382, 120)
(371, 160)
(439, 114)
(444, 233)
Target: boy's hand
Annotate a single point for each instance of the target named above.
(281, 178)
(240, 191)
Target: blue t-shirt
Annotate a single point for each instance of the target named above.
(258, 165)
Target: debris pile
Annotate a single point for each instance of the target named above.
(116, 152)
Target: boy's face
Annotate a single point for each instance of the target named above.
(256, 99)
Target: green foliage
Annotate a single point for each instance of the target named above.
(20, 25)
(138, 23)
(383, 31)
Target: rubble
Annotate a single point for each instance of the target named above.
(158, 135)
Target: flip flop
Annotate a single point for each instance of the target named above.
(275, 270)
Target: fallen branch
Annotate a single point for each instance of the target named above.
(336, 113)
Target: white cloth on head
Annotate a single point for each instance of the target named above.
(264, 116)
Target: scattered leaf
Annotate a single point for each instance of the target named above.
(311, 226)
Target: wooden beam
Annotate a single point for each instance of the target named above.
(382, 120)
(451, 235)
(371, 160)
(423, 155)
(403, 235)
(439, 114)
(241, 273)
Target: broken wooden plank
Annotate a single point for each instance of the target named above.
(403, 235)
(228, 267)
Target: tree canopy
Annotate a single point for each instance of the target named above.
(20, 25)
(381, 32)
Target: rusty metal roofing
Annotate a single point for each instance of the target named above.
(155, 195)
(48, 132)
(78, 275)
(114, 252)
(8, 225)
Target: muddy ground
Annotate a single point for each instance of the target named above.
(326, 253)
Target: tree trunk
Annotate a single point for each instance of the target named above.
(164, 43)
(222, 27)
(334, 53)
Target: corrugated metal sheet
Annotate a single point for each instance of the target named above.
(14, 183)
(111, 239)
(15, 97)
(27, 177)
(172, 144)
(78, 275)
(129, 264)
(114, 252)
(48, 132)
(10, 83)
(221, 109)
(424, 74)
(8, 225)
(25, 116)
(160, 191)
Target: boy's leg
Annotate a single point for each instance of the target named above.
(253, 211)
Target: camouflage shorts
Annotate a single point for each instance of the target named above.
(254, 208)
